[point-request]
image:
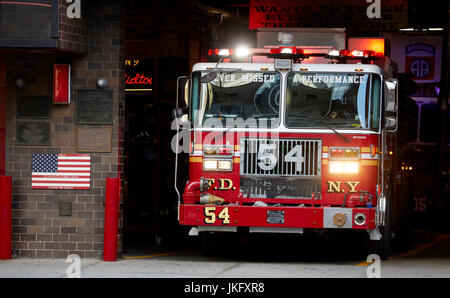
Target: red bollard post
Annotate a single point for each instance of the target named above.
(5, 217)
(111, 219)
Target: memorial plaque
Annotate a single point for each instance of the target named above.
(65, 209)
(94, 139)
(33, 106)
(32, 133)
(94, 107)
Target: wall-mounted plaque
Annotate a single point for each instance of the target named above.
(32, 133)
(94, 139)
(94, 107)
(65, 208)
(33, 106)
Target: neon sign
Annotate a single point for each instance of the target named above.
(138, 79)
(138, 76)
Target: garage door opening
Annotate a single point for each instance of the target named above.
(150, 200)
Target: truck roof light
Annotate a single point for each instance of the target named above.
(345, 53)
(333, 53)
(242, 52)
(220, 52)
(357, 53)
(287, 50)
(224, 52)
(275, 50)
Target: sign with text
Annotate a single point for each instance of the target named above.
(94, 107)
(138, 75)
(417, 55)
(32, 133)
(351, 14)
(94, 139)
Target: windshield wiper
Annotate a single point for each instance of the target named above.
(339, 134)
(211, 76)
(223, 132)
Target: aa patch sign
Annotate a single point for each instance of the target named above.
(420, 56)
(420, 60)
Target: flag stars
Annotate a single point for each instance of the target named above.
(45, 163)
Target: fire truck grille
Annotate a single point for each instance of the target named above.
(281, 157)
(287, 187)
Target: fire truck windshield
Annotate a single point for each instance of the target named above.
(252, 97)
(342, 100)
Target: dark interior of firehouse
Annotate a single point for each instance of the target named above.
(164, 39)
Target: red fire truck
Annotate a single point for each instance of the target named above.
(289, 138)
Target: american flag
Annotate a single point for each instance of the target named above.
(61, 171)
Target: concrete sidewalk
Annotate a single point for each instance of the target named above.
(428, 260)
(196, 267)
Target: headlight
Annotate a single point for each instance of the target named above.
(343, 167)
(225, 165)
(217, 165)
(209, 165)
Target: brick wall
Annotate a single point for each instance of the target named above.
(73, 33)
(44, 24)
(24, 25)
(38, 229)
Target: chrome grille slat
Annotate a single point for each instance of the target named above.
(311, 154)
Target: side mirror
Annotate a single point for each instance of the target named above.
(391, 105)
(390, 123)
(182, 99)
(391, 95)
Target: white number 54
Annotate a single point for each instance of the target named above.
(268, 160)
(295, 155)
(266, 156)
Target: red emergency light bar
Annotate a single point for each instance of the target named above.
(343, 55)
(282, 52)
(286, 50)
(357, 53)
(298, 54)
(220, 52)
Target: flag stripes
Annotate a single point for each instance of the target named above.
(61, 171)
